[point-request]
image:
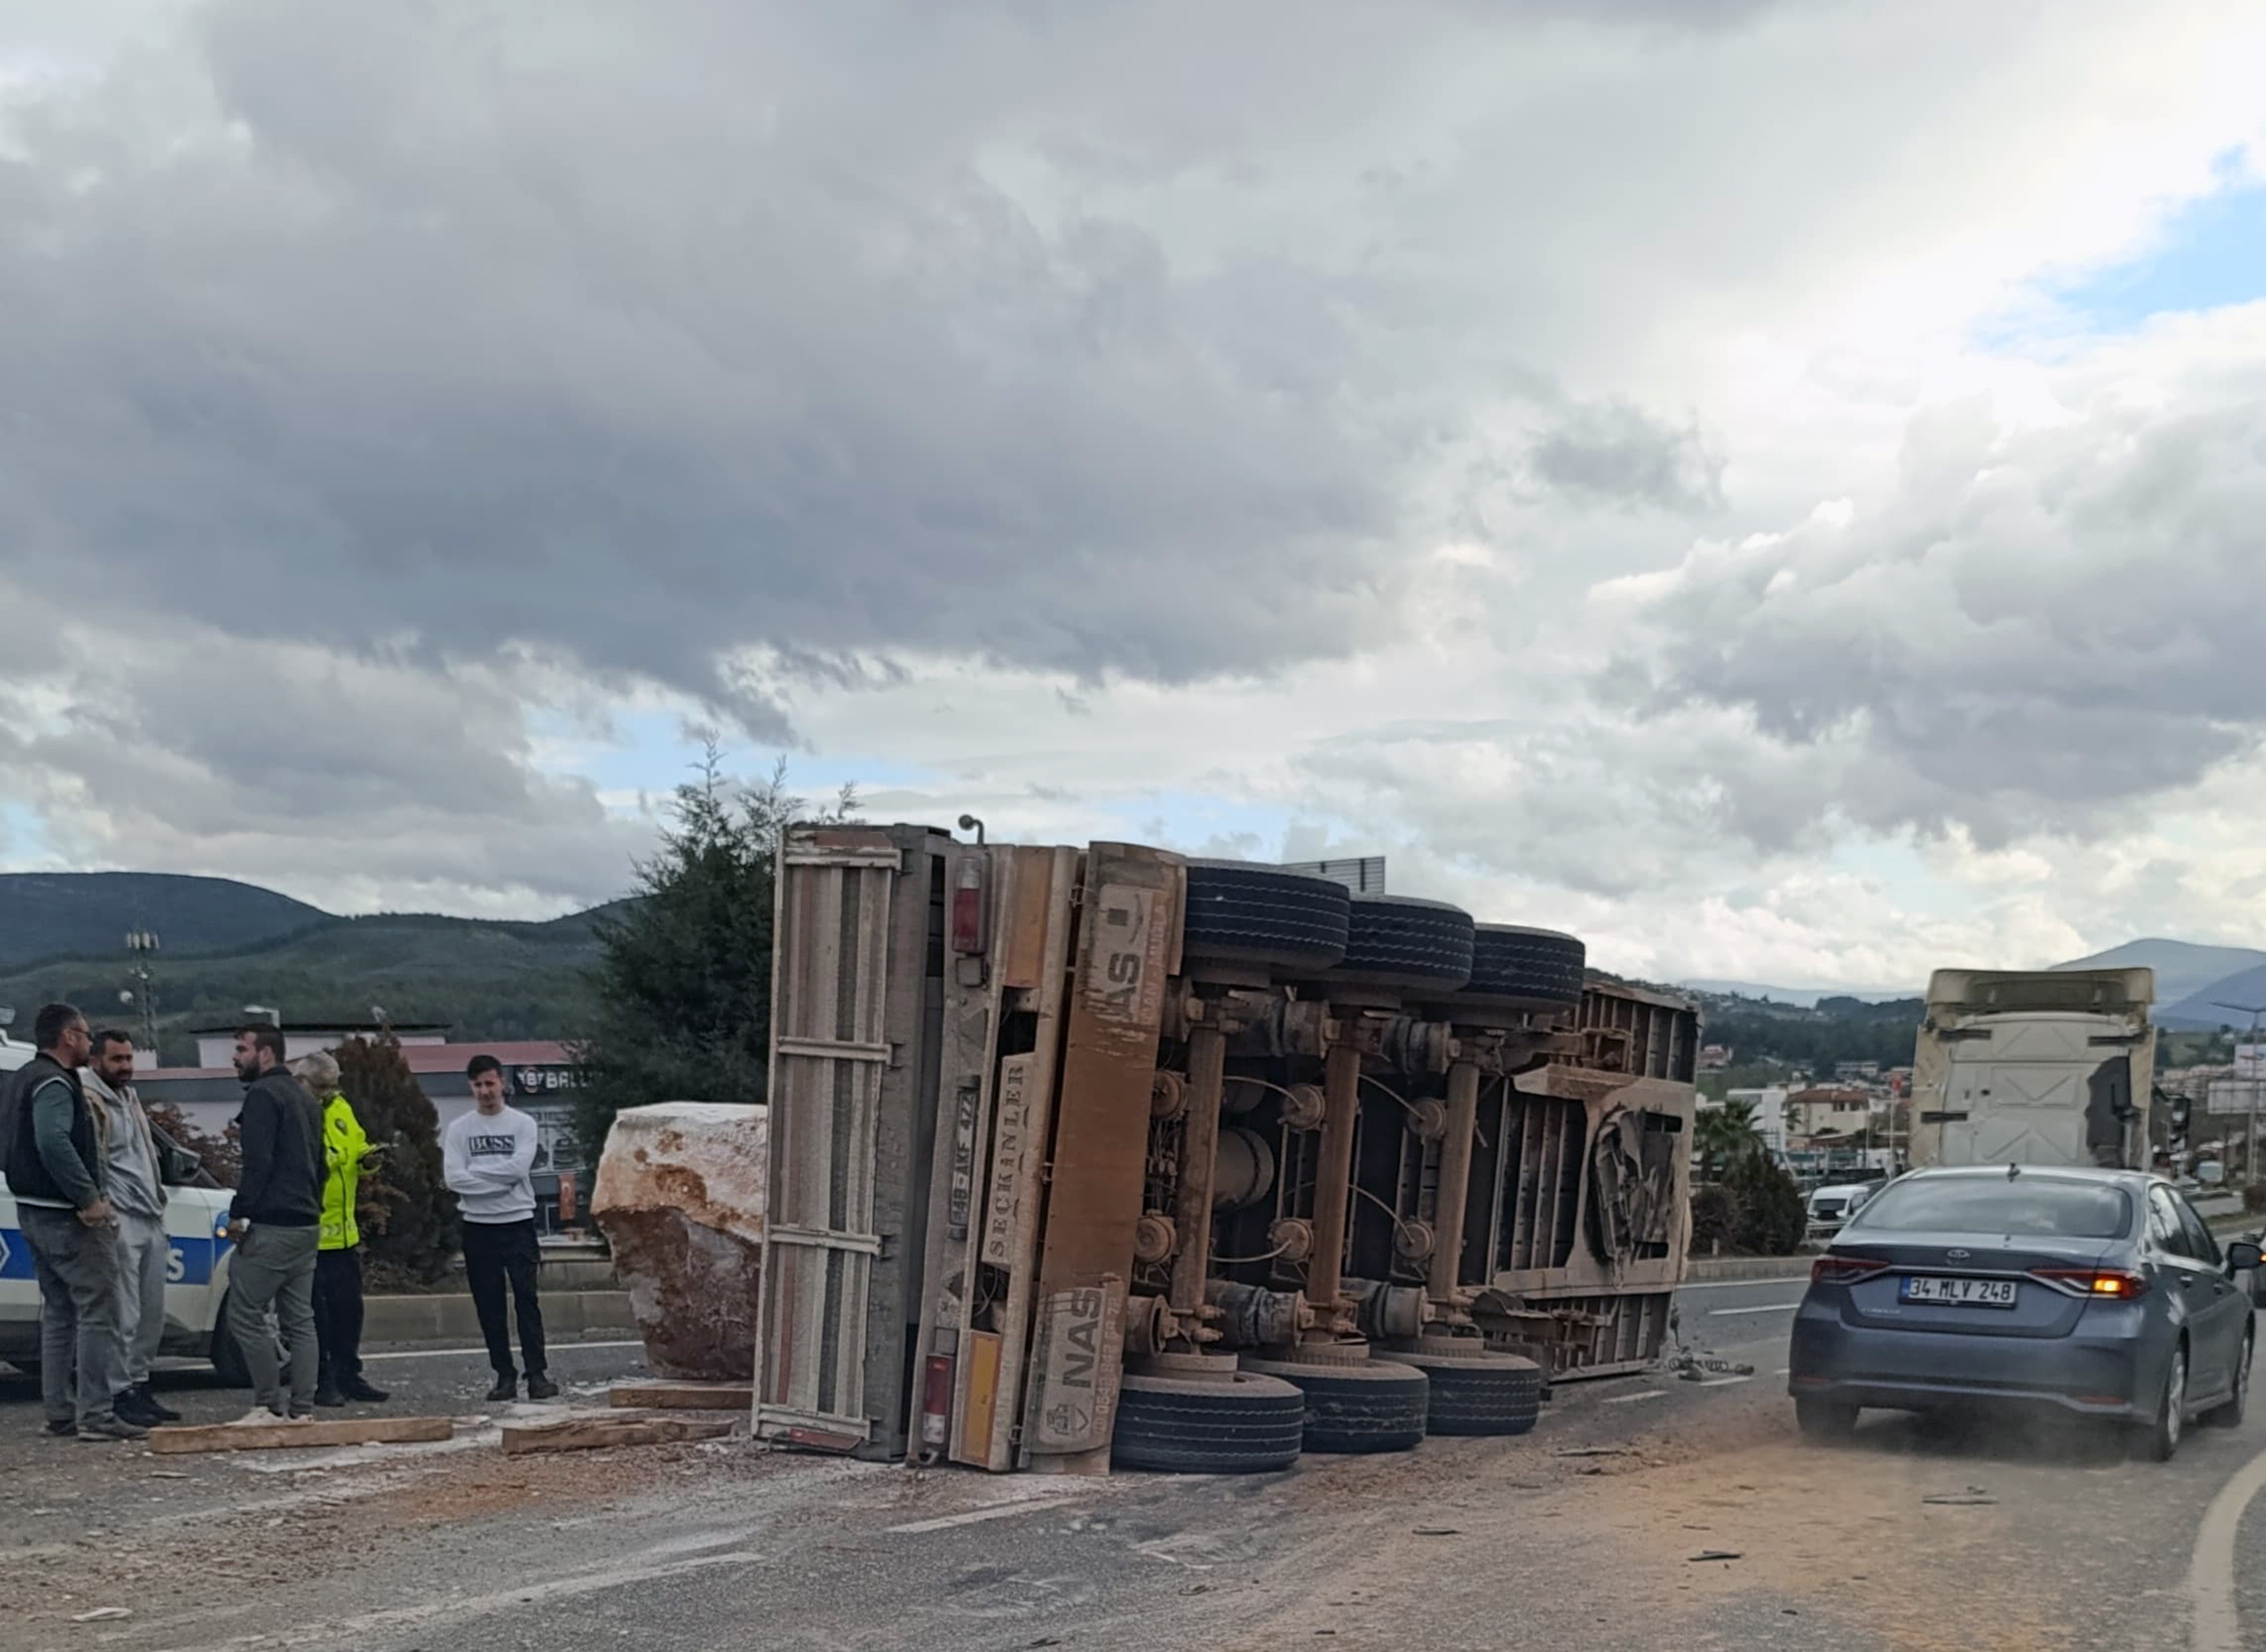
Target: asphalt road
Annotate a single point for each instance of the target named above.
(1582, 1534)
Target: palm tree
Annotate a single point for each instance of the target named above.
(1724, 1135)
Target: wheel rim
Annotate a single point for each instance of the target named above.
(2175, 1395)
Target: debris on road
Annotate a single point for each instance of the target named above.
(1717, 1554)
(598, 1433)
(1437, 1531)
(1973, 1497)
(680, 1197)
(1596, 1451)
(1694, 1367)
(280, 1434)
(103, 1614)
(688, 1396)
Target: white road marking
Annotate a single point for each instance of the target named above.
(1745, 1285)
(1630, 1400)
(1719, 1382)
(459, 1353)
(1767, 1307)
(356, 1630)
(2211, 1577)
(970, 1516)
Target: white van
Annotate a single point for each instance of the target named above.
(196, 1283)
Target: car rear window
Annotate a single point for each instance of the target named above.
(2037, 1205)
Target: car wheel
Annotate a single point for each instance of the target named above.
(1825, 1419)
(2230, 1414)
(2160, 1439)
(1238, 1424)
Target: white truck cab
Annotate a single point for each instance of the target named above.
(2035, 1067)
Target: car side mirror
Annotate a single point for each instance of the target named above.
(2242, 1254)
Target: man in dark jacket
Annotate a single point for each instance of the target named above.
(275, 1220)
(57, 1168)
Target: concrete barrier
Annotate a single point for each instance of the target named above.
(446, 1317)
(1706, 1267)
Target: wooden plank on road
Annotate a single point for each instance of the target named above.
(597, 1434)
(651, 1396)
(280, 1434)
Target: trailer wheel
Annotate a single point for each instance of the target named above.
(1395, 941)
(1539, 965)
(1373, 1404)
(1480, 1391)
(1238, 1424)
(1243, 913)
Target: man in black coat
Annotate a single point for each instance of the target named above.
(275, 1220)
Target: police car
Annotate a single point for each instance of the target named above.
(196, 1277)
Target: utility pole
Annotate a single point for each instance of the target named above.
(2251, 1145)
(143, 944)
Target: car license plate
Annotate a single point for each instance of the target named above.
(1962, 1293)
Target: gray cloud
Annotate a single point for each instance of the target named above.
(2037, 628)
(352, 782)
(575, 338)
(643, 338)
(1619, 454)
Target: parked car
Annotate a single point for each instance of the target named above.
(1830, 1207)
(196, 1288)
(2090, 1293)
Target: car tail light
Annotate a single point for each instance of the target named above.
(968, 908)
(1843, 1270)
(936, 1402)
(2106, 1285)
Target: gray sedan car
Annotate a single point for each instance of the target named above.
(2093, 1293)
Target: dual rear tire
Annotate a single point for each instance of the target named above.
(1476, 1391)
(1358, 1406)
(1233, 1424)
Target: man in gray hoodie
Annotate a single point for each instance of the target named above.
(143, 1162)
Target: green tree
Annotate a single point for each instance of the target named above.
(407, 1215)
(683, 978)
(1724, 1136)
(1772, 1216)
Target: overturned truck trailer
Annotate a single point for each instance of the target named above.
(1587, 1212)
(1084, 1154)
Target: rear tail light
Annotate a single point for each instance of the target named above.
(1843, 1270)
(2106, 1284)
(936, 1403)
(968, 908)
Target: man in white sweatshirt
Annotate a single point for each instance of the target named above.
(487, 1159)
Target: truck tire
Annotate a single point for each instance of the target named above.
(1538, 965)
(1480, 1393)
(1243, 913)
(1374, 1405)
(1394, 941)
(1242, 1424)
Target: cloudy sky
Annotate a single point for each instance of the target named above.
(1777, 488)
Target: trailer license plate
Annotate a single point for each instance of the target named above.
(1966, 1293)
